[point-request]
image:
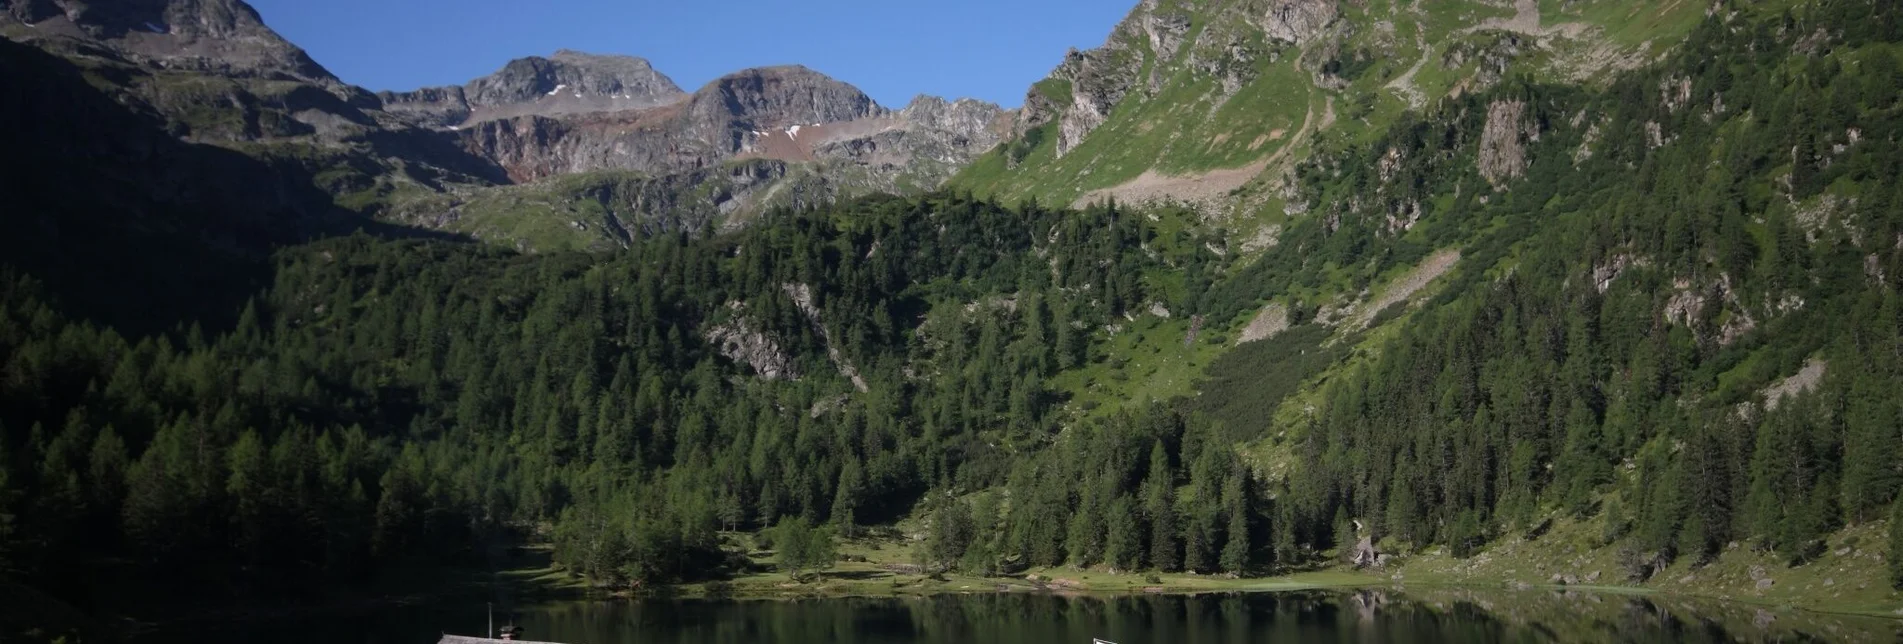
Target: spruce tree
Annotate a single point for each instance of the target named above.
(951, 535)
(1239, 538)
(1159, 508)
(1123, 548)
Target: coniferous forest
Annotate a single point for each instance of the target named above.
(1677, 244)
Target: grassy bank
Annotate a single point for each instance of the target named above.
(1847, 579)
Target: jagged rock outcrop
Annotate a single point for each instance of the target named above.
(1098, 84)
(1364, 554)
(919, 146)
(965, 118)
(569, 82)
(1100, 78)
(523, 80)
(1503, 142)
(791, 114)
(778, 97)
(802, 295)
(217, 36)
(720, 122)
(760, 137)
(740, 340)
(215, 73)
(1299, 21)
(566, 82)
(431, 106)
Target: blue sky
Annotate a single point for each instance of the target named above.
(891, 49)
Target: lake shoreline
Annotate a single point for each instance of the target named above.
(1283, 583)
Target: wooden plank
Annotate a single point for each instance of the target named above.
(459, 639)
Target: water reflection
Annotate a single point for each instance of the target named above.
(1413, 615)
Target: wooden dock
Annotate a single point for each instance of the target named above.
(459, 639)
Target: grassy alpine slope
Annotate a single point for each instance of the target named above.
(1734, 291)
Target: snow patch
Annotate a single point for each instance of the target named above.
(558, 89)
(793, 131)
(155, 28)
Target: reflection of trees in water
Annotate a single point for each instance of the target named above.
(1415, 614)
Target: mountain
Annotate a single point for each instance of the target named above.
(736, 147)
(1215, 103)
(1600, 292)
(216, 36)
(460, 159)
(568, 82)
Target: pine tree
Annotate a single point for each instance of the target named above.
(1159, 508)
(247, 487)
(802, 547)
(1238, 549)
(951, 536)
(1870, 451)
(1123, 548)
(846, 499)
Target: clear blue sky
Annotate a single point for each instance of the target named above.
(891, 49)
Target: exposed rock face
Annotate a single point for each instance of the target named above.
(433, 106)
(1163, 39)
(1804, 381)
(572, 72)
(1299, 21)
(920, 146)
(739, 340)
(1364, 554)
(781, 113)
(779, 97)
(1272, 320)
(219, 36)
(216, 74)
(569, 82)
(747, 141)
(1099, 78)
(719, 122)
(971, 120)
(1096, 88)
(802, 295)
(1503, 143)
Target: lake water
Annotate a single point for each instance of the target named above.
(1413, 615)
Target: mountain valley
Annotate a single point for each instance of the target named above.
(1526, 293)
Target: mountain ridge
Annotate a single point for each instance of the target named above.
(219, 74)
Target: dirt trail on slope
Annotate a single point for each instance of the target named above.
(1202, 188)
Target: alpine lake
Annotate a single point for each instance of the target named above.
(1411, 614)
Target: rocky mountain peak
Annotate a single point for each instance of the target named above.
(770, 97)
(574, 73)
(969, 118)
(567, 82)
(219, 36)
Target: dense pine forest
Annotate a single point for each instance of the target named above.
(1672, 247)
